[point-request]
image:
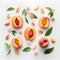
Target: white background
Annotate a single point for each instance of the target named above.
(4, 4)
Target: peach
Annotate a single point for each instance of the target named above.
(33, 24)
(42, 10)
(8, 16)
(17, 42)
(16, 51)
(44, 22)
(7, 23)
(30, 33)
(27, 8)
(17, 21)
(52, 40)
(40, 31)
(18, 10)
(43, 42)
(7, 37)
(31, 15)
(36, 8)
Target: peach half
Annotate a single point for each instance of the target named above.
(44, 22)
(30, 33)
(17, 42)
(43, 42)
(17, 21)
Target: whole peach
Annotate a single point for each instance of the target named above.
(43, 42)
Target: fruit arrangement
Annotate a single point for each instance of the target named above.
(30, 33)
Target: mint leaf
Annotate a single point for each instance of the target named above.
(51, 14)
(9, 52)
(49, 8)
(24, 12)
(35, 16)
(27, 49)
(26, 20)
(7, 46)
(48, 51)
(13, 32)
(10, 9)
(51, 11)
(48, 32)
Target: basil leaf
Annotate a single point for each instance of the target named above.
(48, 51)
(9, 52)
(48, 32)
(35, 16)
(10, 9)
(24, 12)
(27, 49)
(26, 20)
(13, 32)
(8, 46)
(50, 9)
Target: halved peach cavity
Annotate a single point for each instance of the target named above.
(30, 33)
(17, 21)
(17, 42)
(44, 22)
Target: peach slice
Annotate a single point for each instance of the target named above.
(7, 37)
(17, 21)
(30, 33)
(7, 23)
(31, 15)
(44, 22)
(17, 42)
(43, 42)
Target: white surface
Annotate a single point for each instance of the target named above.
(4, 4)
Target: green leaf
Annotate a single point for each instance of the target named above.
(48, 51)
(9, 52)
(27, 49)
(26, 20)
(13, 32)
(49, 8)
(48, 32)
(24, 12)
(35, 16)
(7, 46)
(10, 9)
(51, 11)
(51, 14)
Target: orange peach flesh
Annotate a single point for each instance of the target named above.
(17, 21)
(43, 42)
(30, 33)
(17, 42)
(44, 22)
(31, 15)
